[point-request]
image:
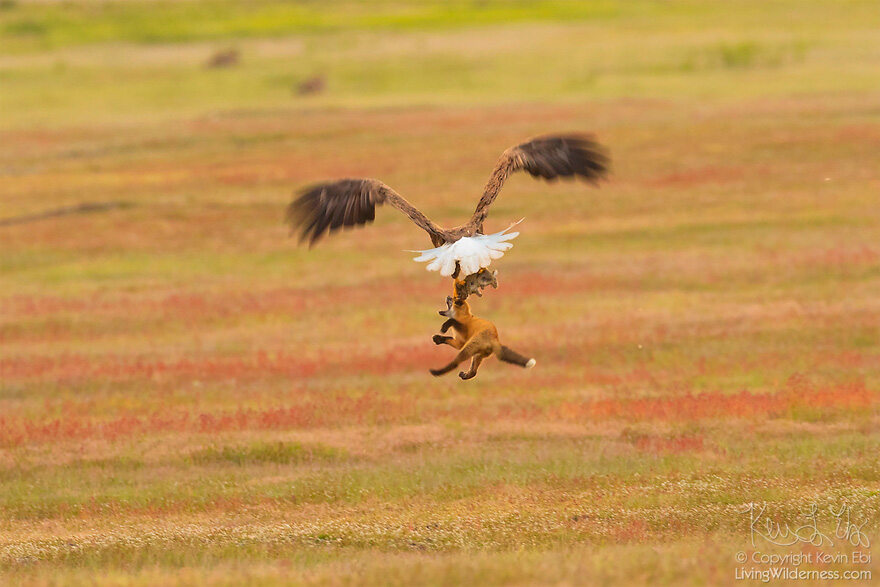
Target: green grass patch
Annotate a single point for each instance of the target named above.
(281, 453)
(47, 25)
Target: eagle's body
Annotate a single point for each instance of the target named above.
(468, 254)
(345, 203)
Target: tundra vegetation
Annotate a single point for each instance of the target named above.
(186, 397)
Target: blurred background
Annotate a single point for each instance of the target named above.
(76, 62)
(186, 395)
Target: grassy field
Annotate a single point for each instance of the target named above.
(188, 397)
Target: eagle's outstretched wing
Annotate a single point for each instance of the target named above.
(550, 156)
(326, 207)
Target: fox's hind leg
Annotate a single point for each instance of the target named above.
(461, 357)
(468, 350)
(475, 364)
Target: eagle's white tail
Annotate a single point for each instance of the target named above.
(471, 252)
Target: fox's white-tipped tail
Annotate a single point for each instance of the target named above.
(471, 252)
(531, 363)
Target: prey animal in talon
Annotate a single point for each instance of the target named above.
(474, 283)
(475, 339)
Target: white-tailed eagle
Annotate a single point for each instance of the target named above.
(329, 206)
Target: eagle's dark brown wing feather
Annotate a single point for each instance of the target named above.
(550, 157)
(326, 207)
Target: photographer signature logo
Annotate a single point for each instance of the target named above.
(762, 527)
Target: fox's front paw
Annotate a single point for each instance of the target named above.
(436, 372)
(439, 339)
(466, 376)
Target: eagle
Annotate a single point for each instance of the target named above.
(328, 206)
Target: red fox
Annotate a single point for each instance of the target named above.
(475, 338)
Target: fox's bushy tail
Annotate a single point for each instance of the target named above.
(509, 355)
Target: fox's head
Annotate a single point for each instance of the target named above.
(459, 311)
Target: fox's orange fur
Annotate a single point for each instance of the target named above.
(475, 339)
